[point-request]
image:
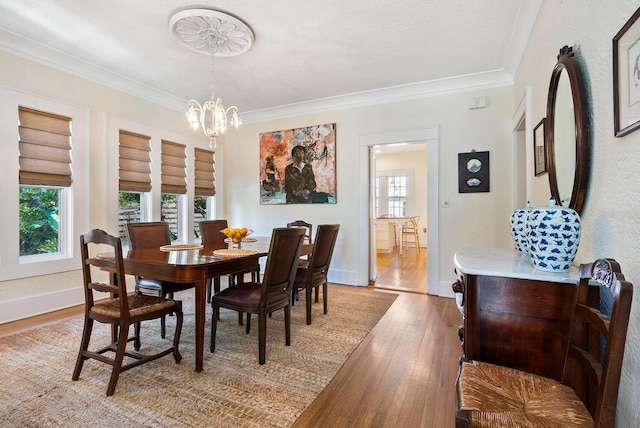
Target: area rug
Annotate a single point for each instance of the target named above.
(233, 390)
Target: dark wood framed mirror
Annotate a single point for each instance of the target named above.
(568, 132)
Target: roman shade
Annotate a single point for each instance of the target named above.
(45, 148)
(134, 162)
(204, 173)
(174, 174)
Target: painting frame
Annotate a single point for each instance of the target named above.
(626, 77)
(473, 172)
(298, 165)
(540, 148)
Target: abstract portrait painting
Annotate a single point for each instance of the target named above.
(298, 166)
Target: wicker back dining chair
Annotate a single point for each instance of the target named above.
(494, 396)
(153, 235)
(314, 274)
(272, 294)
(120, 310)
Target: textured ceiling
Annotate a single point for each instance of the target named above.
(303, 50)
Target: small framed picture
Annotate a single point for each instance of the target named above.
(626, 77)
(540, 148)
(473, 172)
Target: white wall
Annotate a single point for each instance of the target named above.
(610, 226)
(480, 219)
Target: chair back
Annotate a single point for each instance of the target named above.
(326, 237)
(412, 224)
(148, 235)
(302, 223)
(114, 265)
(282, 262)
(596, 346)
(210, 231)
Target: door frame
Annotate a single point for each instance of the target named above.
(366, 250)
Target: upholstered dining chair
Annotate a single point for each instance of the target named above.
(268, 296)
(304, 260)
(410, 233)
(210, 232)
(494, 396)
(120, 310)
(314, 274)
(153, 235)
(301, 223)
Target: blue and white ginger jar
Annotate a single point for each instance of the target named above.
(554, 235)
(519, 229)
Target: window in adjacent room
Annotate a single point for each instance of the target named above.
(392, 194)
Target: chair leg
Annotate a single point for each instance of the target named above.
(287, 325)
(214, 326)
(248, 328)
(262, 336)
(307, 295)
(136, 339)
(176, 335)
(324, 297)
(163, 327)
(117, 361)
(317, 293)
(209, 290)
(84, 345)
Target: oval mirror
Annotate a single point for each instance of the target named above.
(568, 136)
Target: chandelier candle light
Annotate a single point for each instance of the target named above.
(217, 34)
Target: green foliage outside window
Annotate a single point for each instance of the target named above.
(39, 216)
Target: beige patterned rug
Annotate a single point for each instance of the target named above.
(233, 390)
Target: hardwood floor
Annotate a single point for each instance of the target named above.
(401, 375)
(403, 272)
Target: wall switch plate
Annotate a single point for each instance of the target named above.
(445, 203)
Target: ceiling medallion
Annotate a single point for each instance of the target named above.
(217, 34)
(211, 32)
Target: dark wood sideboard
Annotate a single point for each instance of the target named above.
(513, 314)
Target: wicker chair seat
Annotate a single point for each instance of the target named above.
(499, 396)
(140, 305)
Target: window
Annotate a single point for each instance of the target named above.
(392, 194)
(174, 186)
(44, 186)
(134, 178)
(45, 171)
(205, 187)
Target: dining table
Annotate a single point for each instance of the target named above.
(196, 263)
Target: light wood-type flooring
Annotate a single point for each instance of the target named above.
(401, 375)
(403, 272)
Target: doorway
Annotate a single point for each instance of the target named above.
(399, 191)
(367, 251)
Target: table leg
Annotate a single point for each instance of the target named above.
(200, 309)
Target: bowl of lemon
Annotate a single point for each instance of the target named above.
(237, 235)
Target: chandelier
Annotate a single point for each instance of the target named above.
(217, 34)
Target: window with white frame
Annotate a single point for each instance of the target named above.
(174, 187)
(205, 188)
(392, 193)
(44, 178)
(134, 179)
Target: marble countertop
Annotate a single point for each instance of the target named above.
(507, 263)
